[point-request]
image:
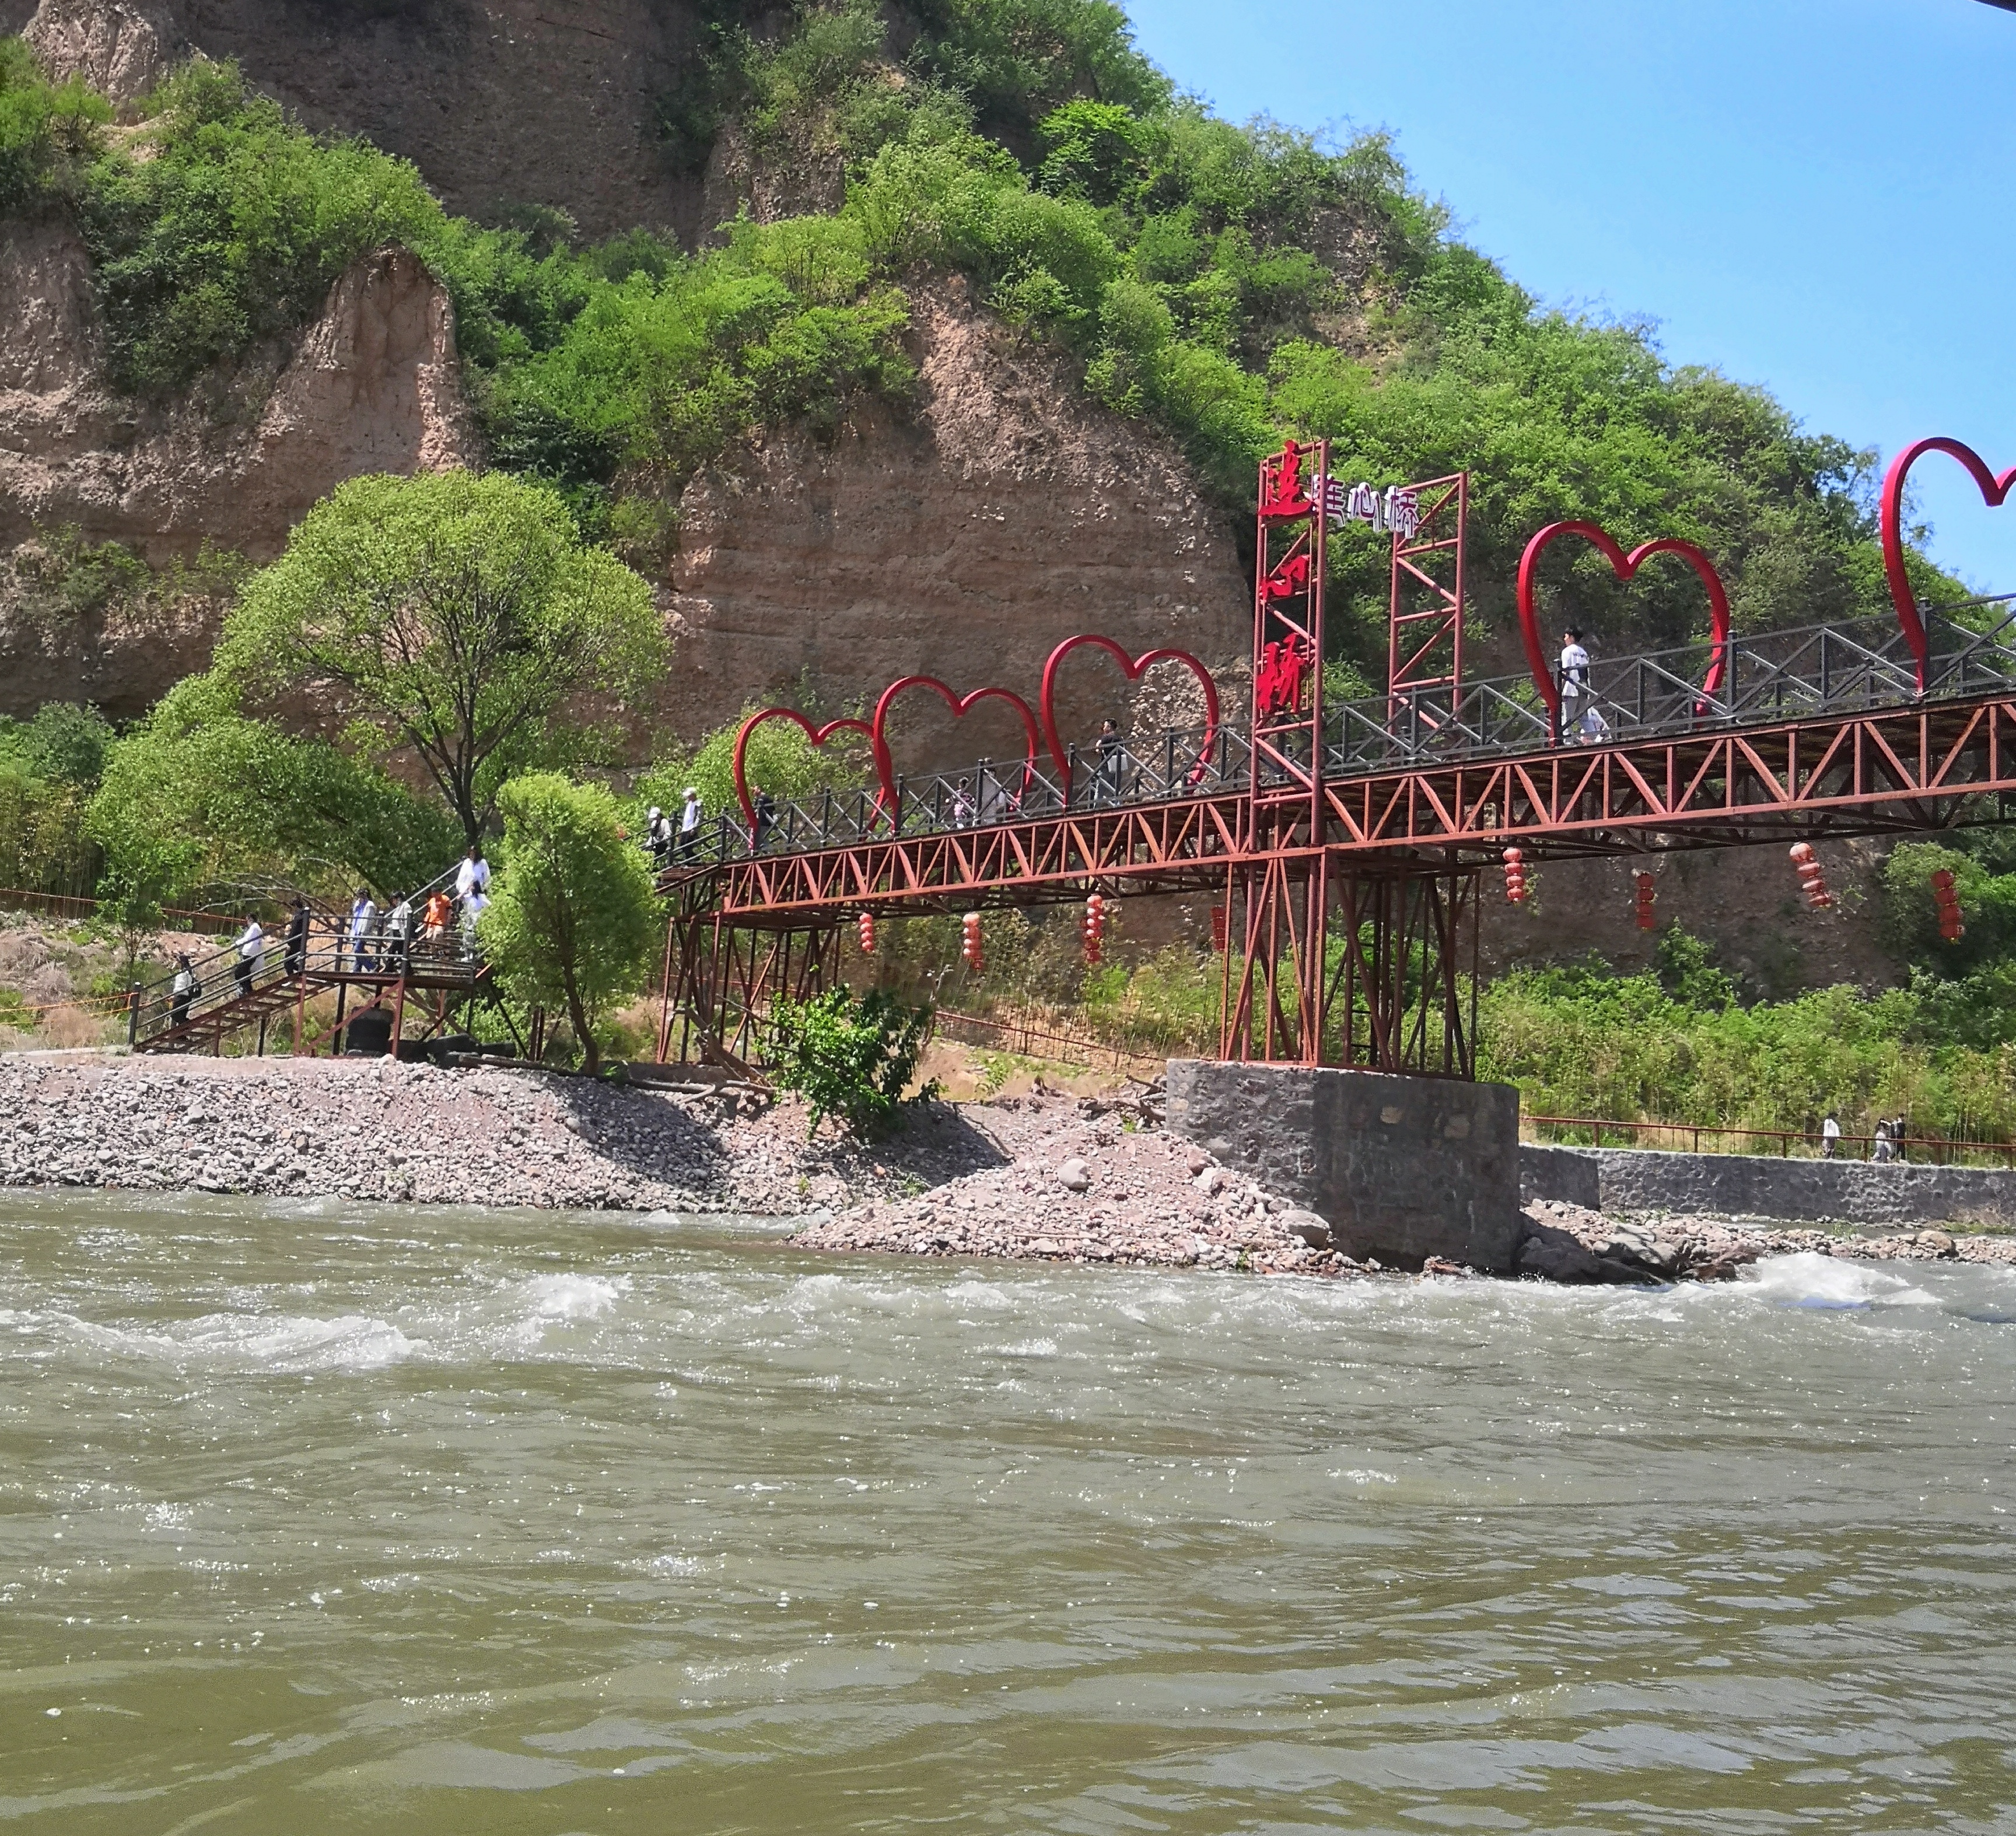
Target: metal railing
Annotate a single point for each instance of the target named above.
(227, 980)
(1688, 1137)
(1774, 676)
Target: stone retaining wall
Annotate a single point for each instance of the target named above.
(1401, 1169)
(1734, 1185)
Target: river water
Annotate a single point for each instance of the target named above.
(331, 1518)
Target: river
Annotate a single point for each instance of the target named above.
(320, 1517)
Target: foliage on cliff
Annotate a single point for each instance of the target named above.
(1233, 283)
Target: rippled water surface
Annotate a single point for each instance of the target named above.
(335, 1518)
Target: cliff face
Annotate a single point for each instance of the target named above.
(373, 385)
(497, 101)
(964, 542)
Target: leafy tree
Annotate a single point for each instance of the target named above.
(575, 918)
(454, 615)
(201, 793)
(851, 1056)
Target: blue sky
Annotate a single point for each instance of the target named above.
(1812, 195)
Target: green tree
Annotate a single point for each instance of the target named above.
(454, 615)
(850, 1057)
(575, 918)
(200, 792)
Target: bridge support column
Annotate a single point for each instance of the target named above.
(722, 978)
(1401, 1169)
(1331, 966)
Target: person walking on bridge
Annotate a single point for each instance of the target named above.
(1830, 1136)
(399, 934)
(472, 875)
(363, 917)
(297, 936)
(689, 844)
(1574, 683)
(251, 956)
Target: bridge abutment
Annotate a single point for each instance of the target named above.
(1401, 1169)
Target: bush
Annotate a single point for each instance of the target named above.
(850, 1057)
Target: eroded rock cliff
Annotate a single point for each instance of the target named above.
(498, 102)
(964, 541)
(373, 385)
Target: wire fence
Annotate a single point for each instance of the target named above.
(1708, 1138)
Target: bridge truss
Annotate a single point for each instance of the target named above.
(1349, 860)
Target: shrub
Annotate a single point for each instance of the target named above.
(850, 1057)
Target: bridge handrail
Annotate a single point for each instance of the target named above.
(1857, 663)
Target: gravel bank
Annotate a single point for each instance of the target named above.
(372, 1128)
(1046, 1178)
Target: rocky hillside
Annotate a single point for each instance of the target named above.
(987, 362)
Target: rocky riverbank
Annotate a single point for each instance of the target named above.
(1044, 1177)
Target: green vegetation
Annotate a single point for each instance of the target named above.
(453, 617)
(202, 797)
(575, 922)
(851, 1056)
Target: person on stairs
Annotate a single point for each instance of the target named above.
(363, 919)
(251, 956)
(399, 934)
(297, 936)
(184, 989)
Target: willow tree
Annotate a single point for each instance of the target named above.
(459, 617)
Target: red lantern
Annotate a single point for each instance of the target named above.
(1095, 927)
(1515, 876)
(1946, 896)
(1221, 930)
(1812, 879)
(867, 935)
(1646, 894)
(969, 946)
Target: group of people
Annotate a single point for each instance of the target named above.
(1887, 1142)
(667, 841)
(382, 938)
(374, 940)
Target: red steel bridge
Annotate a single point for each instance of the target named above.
(1346, 845)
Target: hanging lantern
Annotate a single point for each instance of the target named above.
(1647, 919)
(1946, 896)
(1515, 876)
(867, 935)
(1095, 927)
(1221, 930)
(1813, 878)
(969, 945)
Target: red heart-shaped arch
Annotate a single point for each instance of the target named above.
(885, 768)
(1625, 566)
(1994, 491)
(1133, 668)
(819, 736)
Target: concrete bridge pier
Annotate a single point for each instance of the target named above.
(1401, 1169)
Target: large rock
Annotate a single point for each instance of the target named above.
(1401, 1169)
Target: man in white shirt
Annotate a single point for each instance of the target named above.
(472, 875)
(689, 824)
(1829, 1137)
(1573, 681)
(399, 933)
(251, 954)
